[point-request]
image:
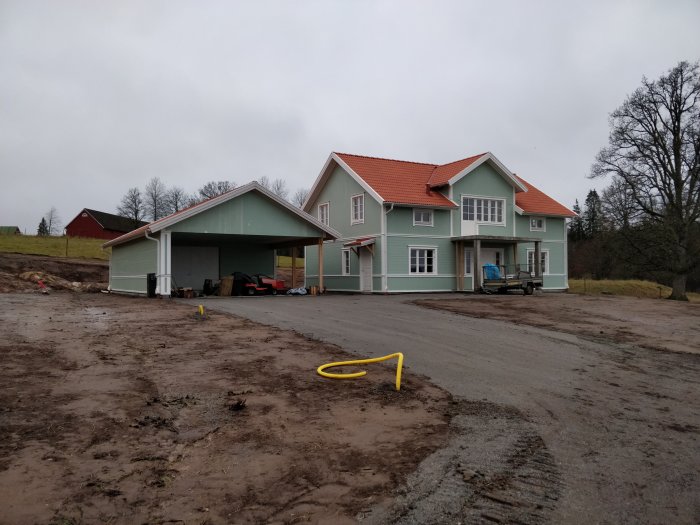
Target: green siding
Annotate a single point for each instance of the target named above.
(485, 181)
(400, 220)
(130, 263)
(338, 192)
(246, 258)
(248, 214)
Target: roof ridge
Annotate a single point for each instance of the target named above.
(465, 158)
(384, 158)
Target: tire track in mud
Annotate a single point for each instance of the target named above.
(495, 469)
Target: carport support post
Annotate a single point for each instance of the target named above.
(294, 266)
(459, 262)
(478, 275)
(320, 265)
(538, 260)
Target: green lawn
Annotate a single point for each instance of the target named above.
(630, 287)
(76, 247)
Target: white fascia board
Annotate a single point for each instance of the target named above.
(518, 209)
(358, 179)
(316, 187)
(237, 192)
(490, 157)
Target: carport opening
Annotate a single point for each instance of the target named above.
(201, 261)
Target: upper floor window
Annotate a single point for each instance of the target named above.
(422, 217)
(357, 212)
(323, 213)
(537, 224)
(483, 210)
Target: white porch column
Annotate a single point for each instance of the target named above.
(478, 273)
(164, 264)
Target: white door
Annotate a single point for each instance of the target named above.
(491, 255)
(365, 270)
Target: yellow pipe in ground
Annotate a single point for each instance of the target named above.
(353, 375)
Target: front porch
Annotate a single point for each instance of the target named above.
(470, 272)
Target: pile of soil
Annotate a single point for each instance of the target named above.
(21, 273)
(128, 410)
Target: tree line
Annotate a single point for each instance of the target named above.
(156, 200)
(646, 223)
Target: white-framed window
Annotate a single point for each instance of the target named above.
(468, 261)
(323, 215)
(422, 260)
(422, 217)
(483, 210)
(538, 224)
(357, 209)
(544, 261)
(345, 262)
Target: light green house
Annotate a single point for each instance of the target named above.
(237, 231)
(416, 227)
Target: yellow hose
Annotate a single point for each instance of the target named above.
(353, 375)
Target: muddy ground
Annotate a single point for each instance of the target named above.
(65, 271)
(657, 324)
(125, 410)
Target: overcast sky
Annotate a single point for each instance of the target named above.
(97, 97)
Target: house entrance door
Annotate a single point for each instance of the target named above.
(491, 255)
(365, 270)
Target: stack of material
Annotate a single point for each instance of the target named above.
(226, 285)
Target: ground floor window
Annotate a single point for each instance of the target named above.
(345, 262)
(468, 264)
(422, 260)
(544, 261)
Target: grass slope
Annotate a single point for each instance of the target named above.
(630, 287)
(76, 247)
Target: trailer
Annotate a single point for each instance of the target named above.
(498, 279)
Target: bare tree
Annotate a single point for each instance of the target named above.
(176, 199)
(131, 206)
(618, 204)
(53, 221)
(215, 188)
(299, 197)
(155, 199)
(654, 147)
(265, 182)
(279, 188)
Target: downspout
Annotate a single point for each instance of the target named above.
(385, 237)
(157, 241)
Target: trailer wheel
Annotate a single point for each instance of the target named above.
(529, 289)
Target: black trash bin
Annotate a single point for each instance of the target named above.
(151, 284)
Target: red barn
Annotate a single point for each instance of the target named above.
(100, 225)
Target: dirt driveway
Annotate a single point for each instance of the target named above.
(123, 410)
(576, 428)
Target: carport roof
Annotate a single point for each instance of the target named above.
(170, 220)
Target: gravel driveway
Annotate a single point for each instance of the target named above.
(568, 429)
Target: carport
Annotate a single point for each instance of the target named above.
(237, 231)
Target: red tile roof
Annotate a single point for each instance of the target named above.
(442, 174)
(397, 180)
(411, 183)
(534, 201)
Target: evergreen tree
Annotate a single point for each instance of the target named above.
(593, 221)
(43, 229)
(576, 232)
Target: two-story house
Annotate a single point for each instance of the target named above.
(415, 227)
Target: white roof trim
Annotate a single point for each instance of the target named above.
(166, 222)
(490, 157)
(323, 176)
(518, 210)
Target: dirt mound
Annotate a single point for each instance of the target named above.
(21, 273)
